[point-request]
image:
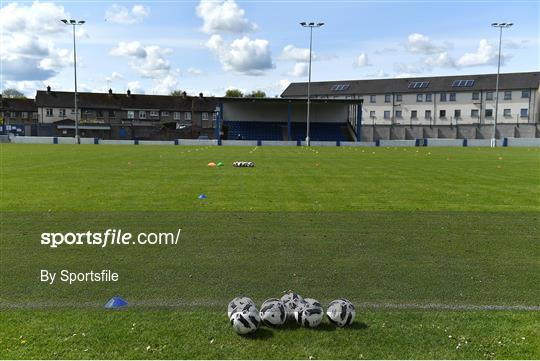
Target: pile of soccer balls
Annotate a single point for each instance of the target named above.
(243, 164)
(245, 318)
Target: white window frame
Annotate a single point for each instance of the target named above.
(176, 115)
(525, 93)
(48, 112)
(427, 114)
(419, 98)
(399, 98)
(429, 97)
(399, 114)
(457, 113)
(386, 114)
(475, 96)
(507, 95)
(475, 113)
(131, 114)
(154, 114)
(387, 98)
(452, 97)
(491, 113)
(61, 112)
(187, 115)
(372, 114)
(204, 116)
(142, 114)
(507, 112)
(526, 115)
(489, 95)
(414, 114)
(373, 99)
(165, 114)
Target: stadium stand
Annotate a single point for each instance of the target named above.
(320, 131)
(254, 130)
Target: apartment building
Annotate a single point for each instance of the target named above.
(443, 100)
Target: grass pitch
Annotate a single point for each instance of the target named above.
(426, 241)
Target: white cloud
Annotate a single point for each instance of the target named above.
(166, 85)
(379, 74)
(135, 87)
(300, 70)
(223, 16)
(194, 71)
(421, 44)
(283, 84)
(244, 55)
(148, 61)
(362, 61)
(290, 52)
(486, 54)
(28, 51)
(408, 68)
(440, 60)
(122, 15)
(114, 76)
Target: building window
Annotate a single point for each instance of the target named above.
(475, 96)
(387, 114)
(457, 114)
(419, 97)
(525, 94)
(524, 112)
(414, 114)
(372, 114)
(508, 95)
(24, 115)
(142, 114)
(112, 114)
(154, 114)
(452, 97)
(474, 113)
(489, 113)
(372, 98)
(131, 114)
(204, 116)
(165, 114)
(489, 95)
(99, 114)
(187, 116)
(387, 98)
(427, 115)
(62, 112)
(442, 97)
(399, 114)
(442, 113)
(48, 112)
(398, 97)
(72, 111)
(428, 97)
(13, 114)
(176, 115)
(214, 116)
(507, 113)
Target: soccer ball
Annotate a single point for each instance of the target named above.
(246, 321)
(292, 301)
(239, 304)
(273, 312)
(310, 313)
(341, 312)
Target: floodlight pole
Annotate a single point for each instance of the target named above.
(75, 23)
(310, 26)
(501, 26)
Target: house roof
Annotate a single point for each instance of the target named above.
(507, 81)
(18, 104)
(58, 99)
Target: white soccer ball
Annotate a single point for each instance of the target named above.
(341, 312)
(273, 312)
(310, 313)
(292, 301)
(246, 321)
(239, 304)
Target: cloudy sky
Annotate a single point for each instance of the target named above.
(208, 46)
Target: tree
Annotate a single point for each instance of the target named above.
(234, 93)
(177, 93)
(12, 93)
(257, 94)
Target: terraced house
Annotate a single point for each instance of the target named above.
(125, 115)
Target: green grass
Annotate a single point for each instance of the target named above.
(382, 227)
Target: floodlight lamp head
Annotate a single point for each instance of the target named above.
(64, 21)
(494, 24)
(311, 24)
(510, 24)
(303, 23)
(320, 24)
(81, 22)
(72, 21)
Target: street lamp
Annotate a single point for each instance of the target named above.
(75, 23)
(310, 26)
(501, 26)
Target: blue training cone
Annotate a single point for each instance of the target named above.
(116, 302)
(203, 196)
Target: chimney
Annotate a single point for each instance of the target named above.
(128, 93)
(48, 89)
(184, 94)
(110, 91)
(200, 95)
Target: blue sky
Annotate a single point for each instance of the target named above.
(209, 46)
